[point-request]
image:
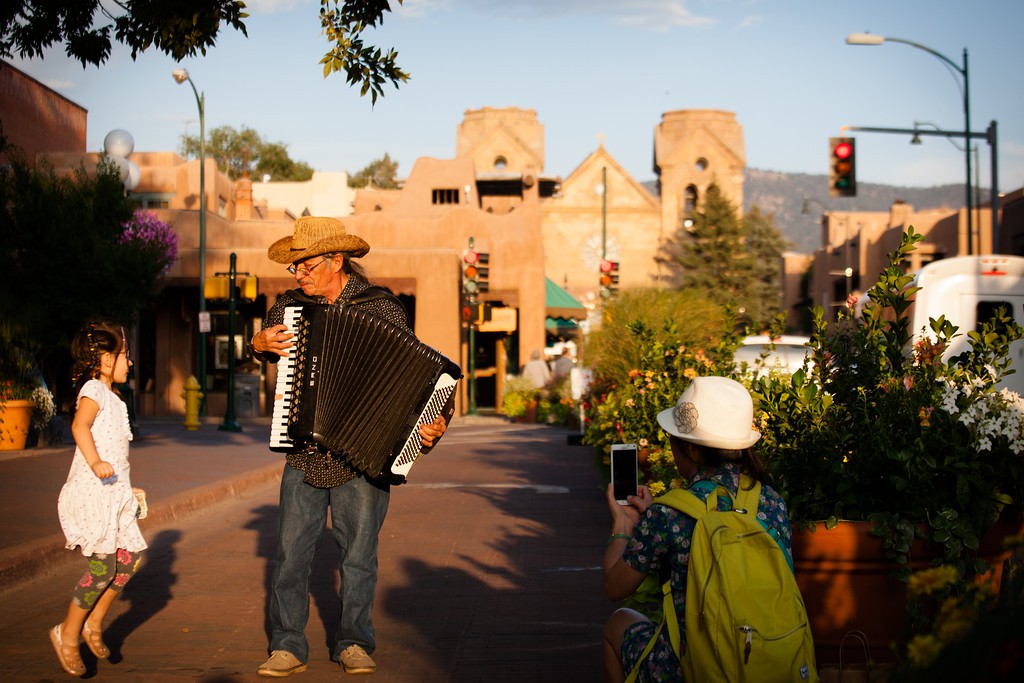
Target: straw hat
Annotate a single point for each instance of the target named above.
(314, 236)
(715, 412)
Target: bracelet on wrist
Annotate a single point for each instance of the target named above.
(622, 536)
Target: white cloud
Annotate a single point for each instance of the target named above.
(276, 6)
(751, 21)
(658, 15)
(650, 14)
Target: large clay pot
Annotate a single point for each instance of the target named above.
(847, 583)
(15, 418)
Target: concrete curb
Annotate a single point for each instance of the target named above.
(31, 559)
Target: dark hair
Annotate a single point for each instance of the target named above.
(92, 341)
(353, 269)
(750, 462)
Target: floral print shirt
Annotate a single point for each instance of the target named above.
(661, 547)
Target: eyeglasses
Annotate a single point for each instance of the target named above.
(305, 267)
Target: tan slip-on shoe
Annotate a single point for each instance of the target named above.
(68, 656)
(281, 663)
(354, 660)
(94, 640)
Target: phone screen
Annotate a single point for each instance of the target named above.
(624, 470)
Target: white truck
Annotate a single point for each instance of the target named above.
(968, 290)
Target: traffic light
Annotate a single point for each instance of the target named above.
(471, 273)
(483, 271)
(842, 170)
(609, 277)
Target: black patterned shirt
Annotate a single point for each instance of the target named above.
(324, 469)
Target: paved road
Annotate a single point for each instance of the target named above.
(488, 572)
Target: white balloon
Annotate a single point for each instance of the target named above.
(119, 143)
(134, 175)
(122, 166)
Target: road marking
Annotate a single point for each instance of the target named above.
(539, 488)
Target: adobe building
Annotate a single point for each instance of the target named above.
(856, 244)
(36, 118)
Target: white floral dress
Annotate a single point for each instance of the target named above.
(98, 517)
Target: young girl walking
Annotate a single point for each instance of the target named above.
(97, 506)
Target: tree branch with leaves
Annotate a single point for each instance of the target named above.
(188, 28)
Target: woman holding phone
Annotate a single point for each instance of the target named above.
(710, 432)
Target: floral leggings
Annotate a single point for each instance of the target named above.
(105, 570)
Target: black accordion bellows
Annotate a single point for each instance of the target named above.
(361, 386)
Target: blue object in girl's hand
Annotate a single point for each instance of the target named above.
(109, 480)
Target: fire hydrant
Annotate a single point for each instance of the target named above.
(192, 397)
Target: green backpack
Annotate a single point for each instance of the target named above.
(745, 618)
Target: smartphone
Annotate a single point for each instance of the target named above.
(624, 471)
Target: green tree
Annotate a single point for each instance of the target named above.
(240, 150)
(186, 28)
(765, 244)
(70, 249)
(729, 259)
(379, 173)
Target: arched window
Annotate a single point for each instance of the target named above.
(690, 200)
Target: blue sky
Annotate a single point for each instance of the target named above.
(594, 68)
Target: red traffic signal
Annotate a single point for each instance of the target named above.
(609, 277)
(842, 170)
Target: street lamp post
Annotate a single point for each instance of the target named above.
(871, 39)
(180, 76)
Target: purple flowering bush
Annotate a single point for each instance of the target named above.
(148, 233)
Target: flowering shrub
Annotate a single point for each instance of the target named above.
(627, 412)
(883, 430)
(148, 233)
(517, 396)
(966, 632)
(45, 410)
(17, 377)
(11, 390)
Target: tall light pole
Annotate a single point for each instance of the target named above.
(180, 76)
(871, 39)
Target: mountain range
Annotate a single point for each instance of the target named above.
(782, 196)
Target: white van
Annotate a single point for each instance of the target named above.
(968, 290)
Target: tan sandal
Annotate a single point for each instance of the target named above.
(68, 656)
(94, 641)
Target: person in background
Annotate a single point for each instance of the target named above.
(563, 366)
(537, 371)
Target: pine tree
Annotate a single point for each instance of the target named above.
(730, 260)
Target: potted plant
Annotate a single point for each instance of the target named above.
(881, 434)
(520, 399)
(17, 385)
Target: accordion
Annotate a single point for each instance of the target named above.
(358, 386)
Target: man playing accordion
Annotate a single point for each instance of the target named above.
(320, 253)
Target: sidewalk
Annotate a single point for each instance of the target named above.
(182, 471)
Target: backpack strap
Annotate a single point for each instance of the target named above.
(746, 499)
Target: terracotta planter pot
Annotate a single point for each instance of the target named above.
(15, 418)
(846, 581)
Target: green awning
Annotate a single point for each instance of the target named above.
(560, 325)
(561, 304)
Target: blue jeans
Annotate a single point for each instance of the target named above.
(357, 509)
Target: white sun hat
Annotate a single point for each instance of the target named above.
(715, 412)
